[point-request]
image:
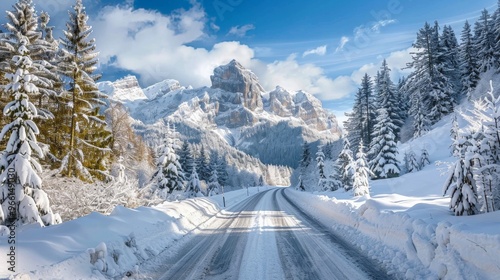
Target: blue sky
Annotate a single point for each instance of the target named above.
(320, 46)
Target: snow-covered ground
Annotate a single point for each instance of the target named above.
(406, 222)
(80, 248)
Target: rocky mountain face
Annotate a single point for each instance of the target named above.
(123, 90)
(255, 133)
(234, 78)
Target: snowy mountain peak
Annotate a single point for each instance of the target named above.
(123, 90)
(162, 88)
(233, 77)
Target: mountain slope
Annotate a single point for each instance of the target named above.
(233, 118)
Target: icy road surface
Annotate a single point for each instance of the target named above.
(264, 237)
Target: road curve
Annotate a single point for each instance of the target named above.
(267, 236)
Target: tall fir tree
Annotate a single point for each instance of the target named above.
(203, 165)
(186, 158)
(193, 187)
(449, 60)
(87, 154)
(361, 185)
(345, 165)
(468, 61)
(21, 185)
(384, 163)
(169, 175)
(320, 159)
(23, 21)
(428, 84)
(484, 41)
(387, 98)
(361, 120)
(461, 184)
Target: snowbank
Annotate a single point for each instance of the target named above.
(406, 224)
(98, 246)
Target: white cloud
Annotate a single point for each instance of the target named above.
(363, 34)
(343, 41)
(240, 31)
(128, 39)
(321, 50)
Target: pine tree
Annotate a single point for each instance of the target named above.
(486, 155)
(469, 68)
(428, 84)
(193, 187)
(449, 59)
(387, 99)
(213, 183)
(420, 122)
(460, 185)
(424, 158)
(320, 159)
(384, 150)
(87, 154)
(186, 158)
(222, 173)
(454, 134)
(306, 156)
(413, 164)
(360, 121)
(361, 185)
(345, 165)
(484, 43)
(169, 175)
(21, 185)
(203, 165)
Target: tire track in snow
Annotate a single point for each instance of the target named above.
(347, 252)
(208, 254)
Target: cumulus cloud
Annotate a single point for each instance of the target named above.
(129, 39)
(321, 50)
(241, 31)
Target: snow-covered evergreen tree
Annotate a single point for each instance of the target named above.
(413, 165)
(306, 156)
(222, 173)
(460, 185)
(387, 98)
(428, 84)
(86, 154)
(320, 159)
(213, 183)
(361, 120)
(361, 185)
(345, 165)
(424, 158)
(21, 185)
(384, 149)
(193, 187)
(203, 165)
(484, 41)
(454, 134)
(420, 119)
(486, 155)
(169, 175)
(469, 68)
(186, 158)
(449, 60)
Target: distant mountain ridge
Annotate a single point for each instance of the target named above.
(232, 116)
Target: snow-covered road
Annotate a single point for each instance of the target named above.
(264, 237)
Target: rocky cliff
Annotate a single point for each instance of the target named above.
(234, 78)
